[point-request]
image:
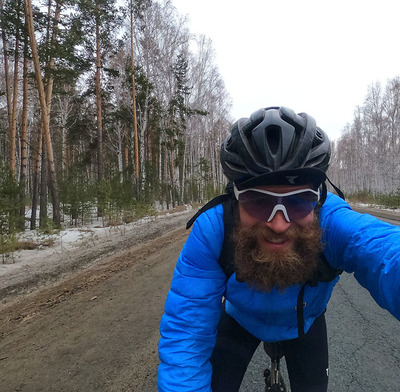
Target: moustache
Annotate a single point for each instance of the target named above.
(265, 233)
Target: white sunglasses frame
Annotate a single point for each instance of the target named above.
(279, 206)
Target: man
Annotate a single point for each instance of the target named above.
(271, 251)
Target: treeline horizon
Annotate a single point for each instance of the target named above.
(366, 157)
(118, 107)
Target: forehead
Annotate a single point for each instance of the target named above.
(282, 188)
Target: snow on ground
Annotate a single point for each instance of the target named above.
(366, 205)
(65, 242)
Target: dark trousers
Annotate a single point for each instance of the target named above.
(306, 357)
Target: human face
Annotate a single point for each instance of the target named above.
(277, 240)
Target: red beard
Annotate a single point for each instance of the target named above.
(264, 269)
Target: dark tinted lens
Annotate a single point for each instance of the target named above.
(300, 205)
(259, 205)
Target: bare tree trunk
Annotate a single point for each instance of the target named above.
(120, 154)
(135, 132)
(6, 69)
(172, 172)
(13, 128)
(160, 167)
(45, 118)
(24, 132)
(35, 180)
(49, 80)
(43, 191)
(63, 150)
(182, 167)
(24, 125)
(149, 152)
(126, 149)
(165, 174)
(143, 130)
(100, 165)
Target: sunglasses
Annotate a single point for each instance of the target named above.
(263, 205)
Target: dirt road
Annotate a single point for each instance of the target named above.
(94, 331)
(97, 330)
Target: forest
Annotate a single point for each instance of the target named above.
(112, 106)
(366, 157)
(115, 108)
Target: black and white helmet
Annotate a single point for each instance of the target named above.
(276, 146)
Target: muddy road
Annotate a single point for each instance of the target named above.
(97, 329)
(94, 331)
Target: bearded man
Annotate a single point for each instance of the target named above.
(270, 251)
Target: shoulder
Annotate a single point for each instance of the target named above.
(338, 218)
(337, 212)
(210, 217)
(207, 234)
(350, 236)
(332, 204)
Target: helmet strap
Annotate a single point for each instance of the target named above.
(324, 192)
(338, 191)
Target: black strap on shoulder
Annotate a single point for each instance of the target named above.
(324, 272)
(227, 252)
(300, 311)
(229, 205)
(212, 203)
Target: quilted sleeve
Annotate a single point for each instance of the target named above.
(363, 244)
(192, 309)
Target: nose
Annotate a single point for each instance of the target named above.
(278, 224)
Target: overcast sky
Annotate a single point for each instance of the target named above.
(313, 56)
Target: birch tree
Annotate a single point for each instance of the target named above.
(84, 75)
(391, 107)
(367, 153)
(6, 66)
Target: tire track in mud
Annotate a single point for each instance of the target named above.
(31, 306)
(94, 331)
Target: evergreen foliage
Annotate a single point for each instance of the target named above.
(9, 210)
(182, 111)
(384, 200)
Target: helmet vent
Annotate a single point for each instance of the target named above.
(318, 134)
(273, 138)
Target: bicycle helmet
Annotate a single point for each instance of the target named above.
(275, 146)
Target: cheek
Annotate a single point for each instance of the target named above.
(307, 220)
(247, 220)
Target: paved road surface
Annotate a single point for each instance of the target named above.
(364, 344)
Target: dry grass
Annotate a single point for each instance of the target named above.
(32, 245)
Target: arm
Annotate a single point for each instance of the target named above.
(368, 247)
(192, 310)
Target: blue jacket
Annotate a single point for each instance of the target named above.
(356, 243)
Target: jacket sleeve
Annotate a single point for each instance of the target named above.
(192, 310)
(363, 244)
